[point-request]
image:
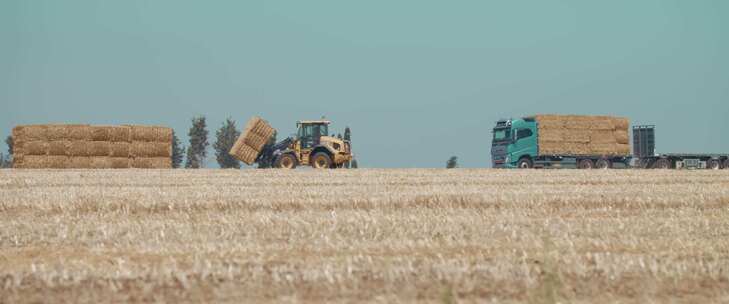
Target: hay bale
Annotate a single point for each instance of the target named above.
(151, 162)
(551, 135)
(56, 132)
(100, 162)
(100, 133)
(249, 144)
(621, 123)
(622, 149)
(33, 133)
(577, 136)
(120, 162)
(43, 162)
(577, 124)
(622, 137)
(120, 134)
(602, 123)
(151, 134)
(78, 148)
(602, 137)
(604, 148)
(98, 148)
(35, 148)
(58, 148)
(151, 149)
(79, 162)
(79, 132)
(246, 154)
(119, 149)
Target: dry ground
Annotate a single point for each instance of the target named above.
(364, 235)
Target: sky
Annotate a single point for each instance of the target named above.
(417, 81)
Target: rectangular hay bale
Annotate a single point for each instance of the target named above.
(150, 149)
(35, 148)
(602, 137)
(152, 162)
(59, 148)
(79, 162)
(98, 148)
(120, 134)
(43, 162)
(151, 134)
(119, 149)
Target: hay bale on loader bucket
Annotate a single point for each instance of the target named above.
(251, 141)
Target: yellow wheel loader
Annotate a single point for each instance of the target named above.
(311, 146)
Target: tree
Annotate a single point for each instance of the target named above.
(5, 162)
(197, 150)
(225, 138)
(177, 151)
(266, 162)
(452, 162)
(348, 137)
(9, 142)
(354, 164)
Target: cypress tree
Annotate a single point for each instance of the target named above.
(225, 139)
(177, 151)
(197, 150)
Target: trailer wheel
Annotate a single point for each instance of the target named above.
(713, 164)
(585, 164)
(662, 163)
(726, 164)
(603, 163)
(321, 160)
(525, 163)
(285, 161)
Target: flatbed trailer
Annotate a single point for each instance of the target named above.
(644, 138)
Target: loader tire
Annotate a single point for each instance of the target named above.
(321, 160)
(285, 161)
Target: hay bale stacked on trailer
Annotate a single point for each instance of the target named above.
(92, 147)
(250, 143)
(583, 135)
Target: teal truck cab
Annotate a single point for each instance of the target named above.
(514, 143)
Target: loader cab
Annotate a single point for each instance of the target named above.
(311, 131)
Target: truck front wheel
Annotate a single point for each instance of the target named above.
(525, 163)
(585, 164)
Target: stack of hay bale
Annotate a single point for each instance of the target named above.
(583, 135)
(250, 143)
(92, 147)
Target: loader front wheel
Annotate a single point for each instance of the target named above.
(321, 160)
(285, 161)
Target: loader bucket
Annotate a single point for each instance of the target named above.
(251, 141)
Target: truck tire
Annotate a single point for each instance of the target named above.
(525, 163)
(726, 164)
(285, 161)
(603, 163)
(662, 163)
(321, 160)
(713, 164)
(585, 164)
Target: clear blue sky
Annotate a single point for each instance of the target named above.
(418, 81)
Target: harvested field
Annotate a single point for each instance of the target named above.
(364, 235)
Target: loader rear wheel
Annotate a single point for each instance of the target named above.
(321, 160)
(285, 161)
(585, 164)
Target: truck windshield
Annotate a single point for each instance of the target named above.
(502, 134)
